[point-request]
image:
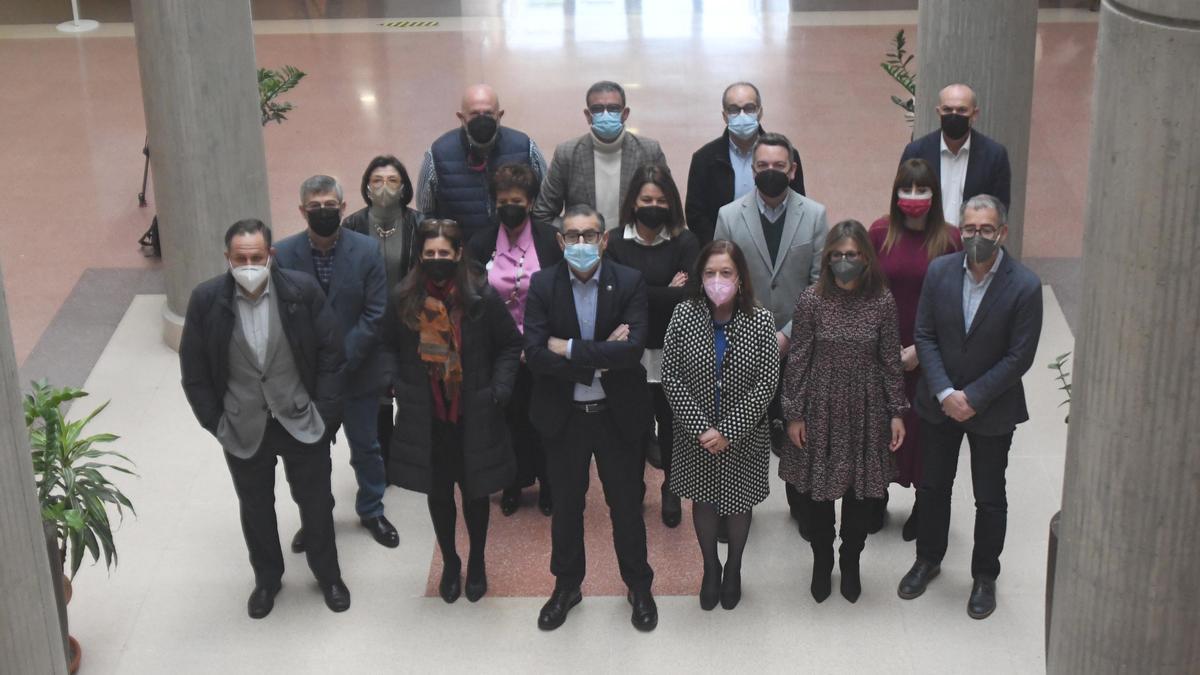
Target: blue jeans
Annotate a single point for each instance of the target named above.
(360, 422)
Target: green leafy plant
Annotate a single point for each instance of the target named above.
(896, 66)
(1059, 364)
(272, 83)
(70, 469)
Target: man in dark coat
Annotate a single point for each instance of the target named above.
(262, 366)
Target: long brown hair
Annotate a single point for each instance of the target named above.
(660, 175)
(410, 293)
(695, 284)
(937, 238)
(872, 280)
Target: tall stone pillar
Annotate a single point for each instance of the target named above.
(1127, 587)
(200, 93)
(989, 46)
(31, 640)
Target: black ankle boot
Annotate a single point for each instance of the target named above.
(822, 583)
(851, 585)
(710, 587)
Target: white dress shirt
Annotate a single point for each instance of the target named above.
(743, 171)
(972, 297)
(255, 316)
(953, 172)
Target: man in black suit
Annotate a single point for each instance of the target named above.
(967, 162)
(722, 170)
(978, 324)
(590, 397)
(262, 363)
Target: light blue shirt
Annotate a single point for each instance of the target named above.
(743, 171)
(586, 293)
(773, 213)
(972, 296)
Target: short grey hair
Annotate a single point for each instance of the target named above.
(980, 202)
(319, 185)
(604, 87)
(583, 210)
(742, 83)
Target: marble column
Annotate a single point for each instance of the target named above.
(200, 93)
(989, 46)
(1127, 590)
(31, 640)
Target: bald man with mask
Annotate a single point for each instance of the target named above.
(455, 174)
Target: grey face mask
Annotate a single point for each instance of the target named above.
(846, 271)
(980, 248)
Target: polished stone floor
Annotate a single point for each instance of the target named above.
(84, 308)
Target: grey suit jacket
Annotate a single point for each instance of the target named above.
(571, 178)
(798, 264)
(987, 361)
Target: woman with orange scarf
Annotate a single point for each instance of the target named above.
(455, 351)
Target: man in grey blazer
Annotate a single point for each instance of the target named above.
(349, 267)
(595, 168)
(781, 233)
(978, 324)
(261, 358)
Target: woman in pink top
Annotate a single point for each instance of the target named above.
(912, 234)
(510, 252)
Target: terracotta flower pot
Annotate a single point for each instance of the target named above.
(76, 654)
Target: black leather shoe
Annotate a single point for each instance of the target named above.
(545, 500)
(450, 586)
(672, 510)
(983, 599)
(510, 501)
(476, 586)
(731, 588)
(851, 585)
(382, 531)
(645, 611)
(554, 612)
(298, 541)
(710, 588)
(261, 602)
(913, 584)
(909, 532)
(337, 596)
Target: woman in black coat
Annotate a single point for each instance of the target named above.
(509, 254)
(455, 355)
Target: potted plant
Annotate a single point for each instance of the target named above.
(897, 67)
(1059, 366)
(72, 472)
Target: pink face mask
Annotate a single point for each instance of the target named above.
(720, 290)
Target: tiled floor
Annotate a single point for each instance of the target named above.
(176, 602)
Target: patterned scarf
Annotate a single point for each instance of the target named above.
(439, 347)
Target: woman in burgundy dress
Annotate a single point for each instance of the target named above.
(912, 234)
(843, 399)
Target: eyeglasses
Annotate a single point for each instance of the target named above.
(589, 237)
(987, 231)
(749, 108)
(611, 107)
(393, 181)
(837, 256)
(316, 206)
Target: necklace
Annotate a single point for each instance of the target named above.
(514, 297)
(384, 234)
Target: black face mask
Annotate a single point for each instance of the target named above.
(653, 217)
(439, 269)
(771, 182)
(511, 215)
(324, 221)
(481, 131)
(955, 126)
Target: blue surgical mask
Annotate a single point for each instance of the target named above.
(743, 125)
(582, 257)
(607, 125)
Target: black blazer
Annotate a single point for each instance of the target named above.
(491, 350)
(987, 361)
(312, 332)
(988, 172)
(710, 186)
(483, 244)
(550, 312)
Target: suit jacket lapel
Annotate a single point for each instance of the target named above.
(973, 162)
(791, 224)
(753, 222)
(587, 166)
(565, 297)
(604, 303)
(630, 160)
(960, 319)
(275, 334)
(998, 286)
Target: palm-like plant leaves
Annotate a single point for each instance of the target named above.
(272, 83)
(1059, 364)
(896, 66)
(71, 472)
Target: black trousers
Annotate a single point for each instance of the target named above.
(666, 434)
(527, 442)
(307, 467)
(620, 465)
(989, 460)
